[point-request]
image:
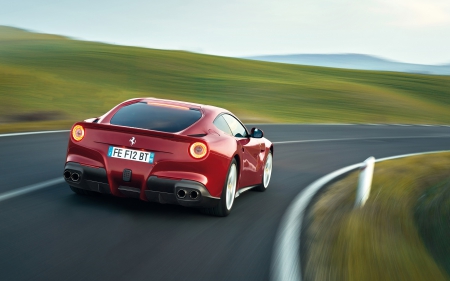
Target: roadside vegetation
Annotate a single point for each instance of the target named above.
(433, 219)
(49, 82)
(400, 234)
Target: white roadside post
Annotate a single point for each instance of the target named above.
(365, 182)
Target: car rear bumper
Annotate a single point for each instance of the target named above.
(161, 190)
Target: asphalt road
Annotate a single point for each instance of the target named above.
(53, 234)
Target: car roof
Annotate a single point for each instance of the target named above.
(172, 102)
(208, 109)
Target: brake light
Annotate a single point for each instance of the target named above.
(198, 150)
(78, 132)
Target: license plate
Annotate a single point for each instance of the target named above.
(131, 154)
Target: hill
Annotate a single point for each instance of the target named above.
(48, 82)
(356, 61)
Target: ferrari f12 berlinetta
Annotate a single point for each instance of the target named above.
(168, 152)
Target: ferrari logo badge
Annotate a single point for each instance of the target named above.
(132, 141)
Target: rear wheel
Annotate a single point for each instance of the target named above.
(228, 194)
(83, 192)
(267, 174)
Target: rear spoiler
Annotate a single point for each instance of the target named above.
(138, 131)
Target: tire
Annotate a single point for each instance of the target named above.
(267, 174)
(83, 192)
(228, 194)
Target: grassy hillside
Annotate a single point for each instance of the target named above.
(401, 233)
(58, 81)
(356, 61)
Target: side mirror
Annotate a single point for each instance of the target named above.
(256, 133)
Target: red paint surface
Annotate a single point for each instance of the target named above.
(172, 159)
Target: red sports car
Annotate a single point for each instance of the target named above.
(168, 152)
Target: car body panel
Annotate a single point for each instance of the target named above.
(172, 160)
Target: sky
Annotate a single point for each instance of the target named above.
(414, 31)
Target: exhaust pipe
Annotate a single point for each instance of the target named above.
(75, 177)
(194, 194)
(67, 174)
(181, 193)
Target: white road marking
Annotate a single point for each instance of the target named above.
(304, 124)
(32, 133)
(286, 253)
(250, 124)
(408, 155)
(286, 258)
(29, 188)
(345, 124)
(369, 138)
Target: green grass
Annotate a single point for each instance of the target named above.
(42, 73)
(384, 240)
(433, 218)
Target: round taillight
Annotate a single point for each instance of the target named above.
(198, 150)
(78, 132)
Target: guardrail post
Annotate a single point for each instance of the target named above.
(365, 182)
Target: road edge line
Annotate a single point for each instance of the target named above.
(30, 188)
(253, 124)
(32, 133)
(358, 139)
(286, 264)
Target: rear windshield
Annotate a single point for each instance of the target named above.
(164, 118)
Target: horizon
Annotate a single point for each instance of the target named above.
(242, 57)
(346, 54)
(398, 30)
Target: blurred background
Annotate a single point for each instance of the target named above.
(387, 61)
